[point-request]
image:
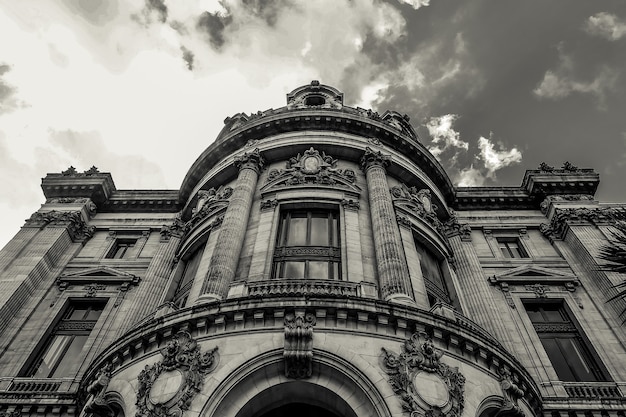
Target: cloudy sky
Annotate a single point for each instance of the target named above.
(139, 88)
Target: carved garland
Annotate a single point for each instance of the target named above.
(426, 386)
(167, 388)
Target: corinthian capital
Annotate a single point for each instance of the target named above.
(252, 160)
(373, 158)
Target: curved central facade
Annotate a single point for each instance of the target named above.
(316, 260)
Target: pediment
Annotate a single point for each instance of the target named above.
(100, 274)
(531, 274)
(312, 168)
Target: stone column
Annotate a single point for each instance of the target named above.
(393, 273)
(474, 289)
(230, 240)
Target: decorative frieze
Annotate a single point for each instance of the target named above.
(545, 204)
(306, 287)
(311, 167)
(298, 353)
(269, 204)
(96, 403)
(426, 385)
(98, 279)
(563, 217)
(452, 227)
(168, 387)
(72, 220)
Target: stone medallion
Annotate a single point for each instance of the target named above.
(168, 387)
(426, 386)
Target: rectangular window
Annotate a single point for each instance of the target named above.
(121, 248)
(510, 247)
(68, 337)
(308, 245)
(572, 359)
(186, 280)
(430, 265)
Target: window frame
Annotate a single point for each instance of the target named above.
(127, 244)
(503, 242)
(332, 254)
(567, 328)
(63, 325)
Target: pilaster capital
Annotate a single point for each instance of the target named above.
(250, 160)
(72, 220)
(373, 158)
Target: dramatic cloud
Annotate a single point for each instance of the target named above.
(496, 159)
(187, 57)
(563, 81)
(606, 25)
(470, 177)
(7, 91)
(444, 137)
(416, 4)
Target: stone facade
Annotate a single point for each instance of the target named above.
(315, 260)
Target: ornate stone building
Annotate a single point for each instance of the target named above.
(316, 260)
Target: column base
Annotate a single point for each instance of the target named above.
(207, 298)
(401, 299)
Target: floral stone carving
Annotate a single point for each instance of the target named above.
(168, 387)
(427, 386)
(298, 353)
(311, 167)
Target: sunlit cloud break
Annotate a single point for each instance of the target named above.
(605, 25)
(496, 159)
(444, 137)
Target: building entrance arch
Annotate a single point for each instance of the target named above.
(299, 398)
(259, 388)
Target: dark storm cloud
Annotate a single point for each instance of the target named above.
(267, 10)
(188, 57)
(213, 25)
(159, 7)
(7, 91)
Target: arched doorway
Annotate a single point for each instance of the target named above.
(296, 398)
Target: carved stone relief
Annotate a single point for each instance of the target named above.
(558, 225)
(298, 353)
(76, 227)
(311, 167)
(512, 394)
(427, 386)
(96, 403)
(168, 387)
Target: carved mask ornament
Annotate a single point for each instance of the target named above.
(167, 388)
(427, 386)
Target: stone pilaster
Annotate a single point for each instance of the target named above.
(393, 274)
(474, 289)
(232, 231)
(147, 296)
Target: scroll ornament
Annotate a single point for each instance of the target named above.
(427, 386)
(168, 387)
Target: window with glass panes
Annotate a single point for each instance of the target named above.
(308, 245)
(510, 247)
(64, 345)
(121, 248)
(436, 287)
(571, 357)
(187, 277)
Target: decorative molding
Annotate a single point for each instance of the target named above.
(269, 204)
(373, 158)
(571, 288)
(76, 227)
(418, 366)
(538, 289)
(374, 141)
(312, 167)
(98, 279)
(350, 204)
(298, 353)
(167, 388)
(250, 160)
(14, 413)
(452, 227)
(512, 394)
(419, 203)
(96, 403)
(545, 204)
(302, 287)
(562, 218)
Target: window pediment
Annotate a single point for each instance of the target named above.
(311, 168)
(531, 274)
(100, 274)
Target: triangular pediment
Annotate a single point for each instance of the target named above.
(531, 274)
(99, 274)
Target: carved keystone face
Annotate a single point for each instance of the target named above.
(166, 386)
(431, 388)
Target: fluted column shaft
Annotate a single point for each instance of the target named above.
(474, 289)
(393, 274)
(233, 229)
